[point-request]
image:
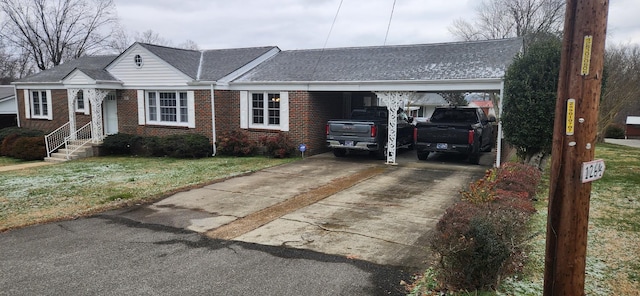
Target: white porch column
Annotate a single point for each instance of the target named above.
(393, 100)
(71, 101)
(96, 97)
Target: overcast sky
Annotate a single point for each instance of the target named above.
(302, 24)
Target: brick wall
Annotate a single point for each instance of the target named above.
(60, 107)
(127, 102)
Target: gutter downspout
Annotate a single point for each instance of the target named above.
(213, 121)
(15, 94)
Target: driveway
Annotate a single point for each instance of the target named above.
(320, 226)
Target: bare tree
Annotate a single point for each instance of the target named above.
(53, 31)
(151, 37)
(511, 18)
(455, 98)
(620, 86)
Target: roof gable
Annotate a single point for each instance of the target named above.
(442, 61)
(92, 64)
(153, 70)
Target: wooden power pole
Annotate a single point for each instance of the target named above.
(573, 149)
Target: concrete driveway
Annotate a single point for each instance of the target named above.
(320, 226)
(356, 207)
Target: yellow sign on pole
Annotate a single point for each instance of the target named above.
(571, 116)
(586, 55)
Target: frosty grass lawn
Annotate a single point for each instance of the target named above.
(82, 187)
(613, 245)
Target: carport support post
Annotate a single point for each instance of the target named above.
(393, 100)
(574, 138)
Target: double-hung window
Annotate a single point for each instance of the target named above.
(38, 104)
(265, 110)
(168, 108)
(80, 103)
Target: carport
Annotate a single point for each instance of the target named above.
(393, 73)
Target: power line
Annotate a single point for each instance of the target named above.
(389, 24)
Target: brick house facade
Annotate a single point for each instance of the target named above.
(163, 91)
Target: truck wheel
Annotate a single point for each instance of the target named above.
(423, 155)
(339, 152)
(381, 154)
(474, 158)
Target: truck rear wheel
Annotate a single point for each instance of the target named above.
(423, 155)
(474, 158)
(339, 152)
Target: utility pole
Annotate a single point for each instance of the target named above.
(574, 139)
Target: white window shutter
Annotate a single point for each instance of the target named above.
(49, 105)
(141, 109)
(191, 108)
(244, 109)
(27, 104)
(284, 111)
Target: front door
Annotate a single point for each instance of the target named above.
(110, 115)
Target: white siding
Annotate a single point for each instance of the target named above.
(8, 106)
(78, 78)
(154, 71)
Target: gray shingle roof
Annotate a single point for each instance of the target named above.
(90, 65)
(185, 60)
(216, 63)
(222, 62)
(459, 60)
(6, 91)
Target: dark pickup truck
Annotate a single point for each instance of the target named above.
(462, 130)
(367, 131)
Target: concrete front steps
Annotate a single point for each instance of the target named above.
(81, 151)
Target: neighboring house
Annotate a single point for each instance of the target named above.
(8, 107)
(423, 105)
(156, 90)
(486, 106)
(632, 130)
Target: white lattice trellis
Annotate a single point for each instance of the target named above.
(393, 100)
(71, 100)
(96, 97)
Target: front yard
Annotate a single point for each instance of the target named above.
(83, 187)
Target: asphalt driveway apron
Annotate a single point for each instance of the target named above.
(353, 207)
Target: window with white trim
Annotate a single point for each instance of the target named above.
(167, 108)
(265, 110)
(40, 104)
(80, 106)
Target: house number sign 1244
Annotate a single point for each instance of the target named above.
(592, 170)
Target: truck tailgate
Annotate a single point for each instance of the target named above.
(452, 134)
(350, 128)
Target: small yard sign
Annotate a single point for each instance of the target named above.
(592, 170)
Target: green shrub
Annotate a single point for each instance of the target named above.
(11, 134)
(614, 131)
(6, 147)
(29, 148)
(279, 146)
(147, 147)
(186, 146)
(236, 143)
(119, 144)
(25, 132)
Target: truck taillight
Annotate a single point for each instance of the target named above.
(471, 136)
(374, 131)
(327, 130)
(415, 134)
